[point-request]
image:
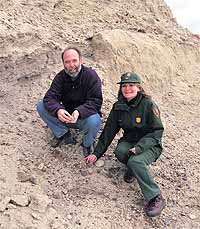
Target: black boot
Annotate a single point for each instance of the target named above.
(65, 139)
(68, 139)
(128, 177)
(155, 206)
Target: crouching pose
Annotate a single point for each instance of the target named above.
(73, 100)
(139, 117)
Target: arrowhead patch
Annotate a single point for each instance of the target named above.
(138, 119)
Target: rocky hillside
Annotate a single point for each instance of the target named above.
(41, 187)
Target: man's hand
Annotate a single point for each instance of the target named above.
(64, 116)
(75, 116)
(91, 159)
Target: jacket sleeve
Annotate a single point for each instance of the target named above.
(154, 135)
(111, 128)
(52, 98)
(94, 98)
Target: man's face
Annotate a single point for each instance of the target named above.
(72, 61)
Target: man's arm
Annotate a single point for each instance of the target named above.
(93, 98)
(52, 97)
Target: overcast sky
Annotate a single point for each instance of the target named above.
(187, 13)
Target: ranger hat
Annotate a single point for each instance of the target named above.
(130, 77)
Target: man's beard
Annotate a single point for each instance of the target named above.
(73, 74)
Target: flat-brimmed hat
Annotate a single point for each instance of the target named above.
(130, 77)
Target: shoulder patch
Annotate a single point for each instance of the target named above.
(156, 111)
(138, 119)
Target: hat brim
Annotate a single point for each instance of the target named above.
(128, 81)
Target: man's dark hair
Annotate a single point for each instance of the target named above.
(71, 47)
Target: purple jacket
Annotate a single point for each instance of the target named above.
(83, 94)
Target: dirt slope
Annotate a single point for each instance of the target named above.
(41, 187)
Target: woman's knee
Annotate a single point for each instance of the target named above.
(135, 162)
(122, 154)
(121, 157)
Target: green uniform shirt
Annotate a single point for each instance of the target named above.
(140, 121)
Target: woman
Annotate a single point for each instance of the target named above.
(139, 117)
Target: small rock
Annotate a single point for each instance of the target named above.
(36, 216)
(57, 195)
(174, 218)
(183, 214)
(166, 222)
(128, 217)
(11, 206)
(52, 213)
(106, 194)
(33, 180)
(90, 171)
(56, 225)
(22, 118)
(78, 222)
(192, 216)
(4, 204)
(99, 163)
(65, 192)
(23, 177)
(40, 203)
(83, 173)
(69, 217)
(41, 166)
(20, 200)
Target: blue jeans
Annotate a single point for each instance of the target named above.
(90, 126)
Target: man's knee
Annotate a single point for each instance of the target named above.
(93, 122)
(40, 108)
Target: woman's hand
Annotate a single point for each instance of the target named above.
(133, 150)
(91, 159)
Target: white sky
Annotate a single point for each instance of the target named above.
(187, 13)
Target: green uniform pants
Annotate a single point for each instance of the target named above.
(137, 165)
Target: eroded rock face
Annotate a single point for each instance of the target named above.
(40, 203)
(42, 187)
(162, 63)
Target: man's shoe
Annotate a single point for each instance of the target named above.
(155, 206)
(66, 139)
(87, 150)
(128, 177)
(54, 142)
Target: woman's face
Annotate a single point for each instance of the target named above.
(129, 90)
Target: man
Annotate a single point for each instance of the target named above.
(73, 100)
